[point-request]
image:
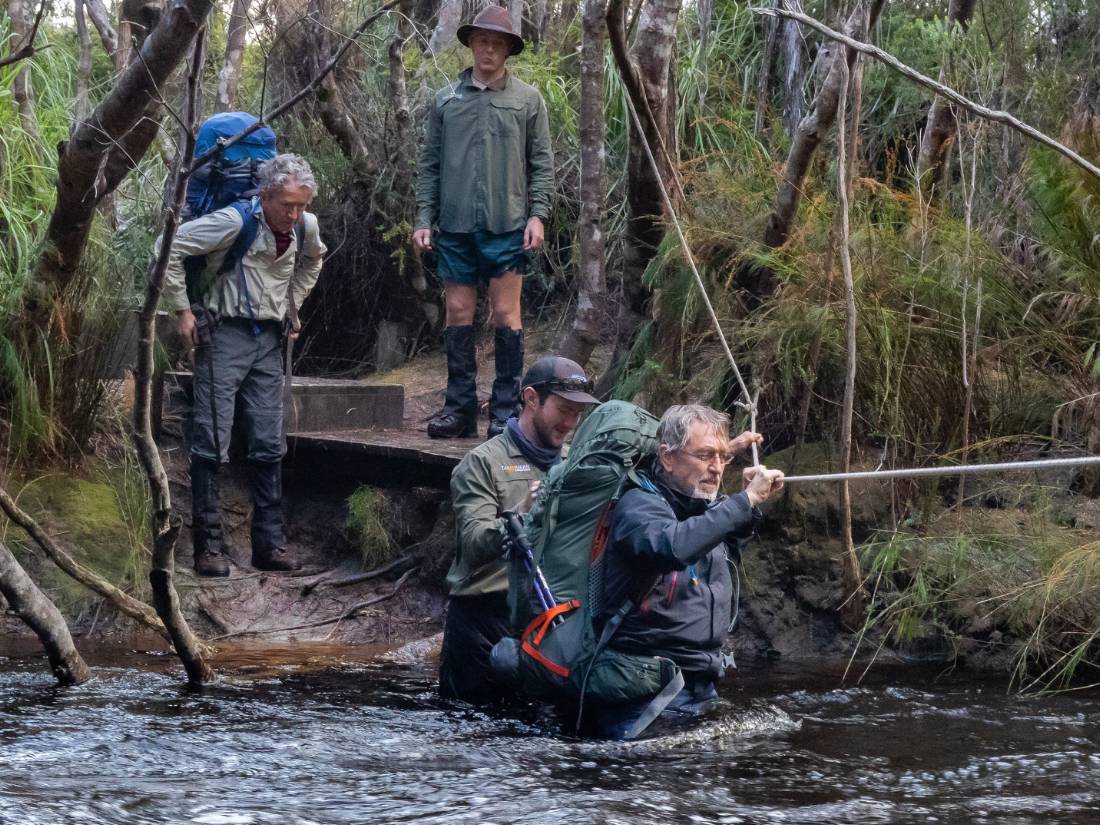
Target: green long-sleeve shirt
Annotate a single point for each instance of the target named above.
(491, 478)
(486, 162)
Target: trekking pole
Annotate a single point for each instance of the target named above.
(288, 367)
(519, 536)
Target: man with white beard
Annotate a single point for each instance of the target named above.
(671, 539)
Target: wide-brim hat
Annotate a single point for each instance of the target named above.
(562, 377)
(492, 19)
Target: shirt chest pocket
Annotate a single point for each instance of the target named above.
(513, 487)
(507, 118)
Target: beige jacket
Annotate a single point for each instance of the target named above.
(269, 280)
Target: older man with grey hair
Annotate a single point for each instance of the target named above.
(236, 330)
(671, 540)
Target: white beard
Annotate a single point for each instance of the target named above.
(707, 497)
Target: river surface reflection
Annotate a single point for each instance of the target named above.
(321, 738)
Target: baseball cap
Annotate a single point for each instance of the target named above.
(562, 377)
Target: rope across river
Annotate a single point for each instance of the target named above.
(949, 470)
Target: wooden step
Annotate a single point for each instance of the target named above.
(325, 405)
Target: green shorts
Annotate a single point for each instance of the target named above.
(470, 257)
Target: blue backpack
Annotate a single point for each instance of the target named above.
(228, 179)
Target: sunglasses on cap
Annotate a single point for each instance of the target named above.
(584, 385)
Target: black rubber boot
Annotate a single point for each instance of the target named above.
(458, 418)
(504, 402)
(206, 519)
(268, 539)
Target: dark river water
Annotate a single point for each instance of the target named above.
(339, 741)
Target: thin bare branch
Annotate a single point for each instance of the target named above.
(166, 524)
(126, 604)
(26, 48)
(347, 614)
(995, 115)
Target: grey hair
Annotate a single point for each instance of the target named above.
(675, 426)
(282, 169)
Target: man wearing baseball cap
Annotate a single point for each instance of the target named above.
(499, 475)
(484, 181)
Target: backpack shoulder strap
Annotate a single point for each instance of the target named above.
(250, 227)
(299, 242)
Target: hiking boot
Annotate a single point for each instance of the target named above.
(211, 563)
(504, 402)
(265, 480)
(277, 559)
(206, 519)
(446, 425)
(458, 418)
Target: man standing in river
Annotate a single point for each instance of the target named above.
(674, 539)
(499, 475)
(485, 178)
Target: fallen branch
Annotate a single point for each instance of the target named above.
(347, 614)
(27, 48)
(995, 115)
(137, 610)
(297, 96)
(214, 616)
(40, 615)
(358, 577)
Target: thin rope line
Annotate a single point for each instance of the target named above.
(749, 404)
(949, 470)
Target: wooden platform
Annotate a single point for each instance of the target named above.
(388, 457)
(358, 431)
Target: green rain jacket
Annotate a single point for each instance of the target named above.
(486, 161)
(491, 478)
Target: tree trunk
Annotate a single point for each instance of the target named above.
(41, 616)
(813, 128)
(792, 75)
(402, 198)
(772, 25)
(229, 77)
(81, 106)
(939, 129)
(814, 359)
(446, 28)
(852, 609)
(101, 19)
(165, 523)
(403, 157)
(21, 88)
(567, 10)
(334, 112)
(647, 74)
(590, 317)
(538, 21)
(515, 7)
(705, 13)
(103, 149)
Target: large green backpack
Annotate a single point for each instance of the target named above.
(560, 655)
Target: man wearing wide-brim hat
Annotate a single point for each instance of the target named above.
(486, 174)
